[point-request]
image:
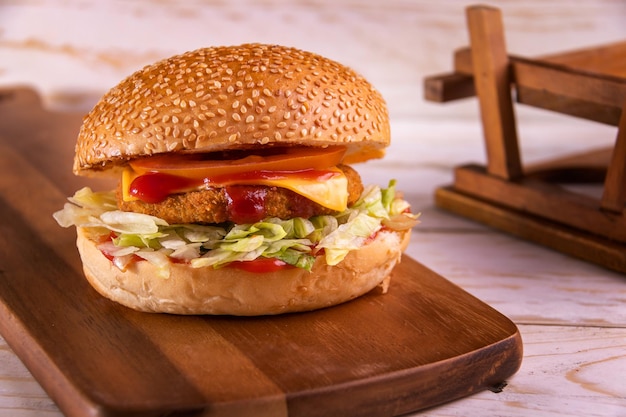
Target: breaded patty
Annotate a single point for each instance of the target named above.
(238, 203)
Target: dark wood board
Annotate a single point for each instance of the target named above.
(574, 242)
(424, 343)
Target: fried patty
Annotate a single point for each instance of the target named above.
(238, 203)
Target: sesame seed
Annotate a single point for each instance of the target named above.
(157, 103)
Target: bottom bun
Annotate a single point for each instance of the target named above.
(230, 291)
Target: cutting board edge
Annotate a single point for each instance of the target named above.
(509, 361)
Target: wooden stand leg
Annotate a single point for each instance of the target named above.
(533, 203)
(614, 193)
(492, 80)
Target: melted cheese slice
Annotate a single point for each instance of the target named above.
(332, 192)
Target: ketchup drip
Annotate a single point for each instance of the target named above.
(154, 187)
(246, 204)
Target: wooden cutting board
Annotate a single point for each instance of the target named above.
(424, 343)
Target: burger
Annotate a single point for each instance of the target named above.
(236, 194)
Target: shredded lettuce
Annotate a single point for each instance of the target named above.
(295, 241)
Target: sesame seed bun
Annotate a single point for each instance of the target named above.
(228, 291)
(237, 97)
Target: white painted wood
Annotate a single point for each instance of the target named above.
(572, 315)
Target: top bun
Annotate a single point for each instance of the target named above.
(236, 97)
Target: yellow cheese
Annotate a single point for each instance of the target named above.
(128, 175)
(331, 192)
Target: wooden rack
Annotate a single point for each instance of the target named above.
(531, 202)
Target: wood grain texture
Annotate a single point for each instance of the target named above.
(586, 246)
(545, 200)
(492, 82)
(614, 193)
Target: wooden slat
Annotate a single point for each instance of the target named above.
(463, 63)
(493, 87)
(609, 59)
(572, 242)
(542, 199)
(600, 60)
(568, 91)
(614, 194)
(448, 87)
(558, 87)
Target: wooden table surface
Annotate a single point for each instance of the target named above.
(572, 315)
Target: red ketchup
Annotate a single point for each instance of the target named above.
(154, 187)
(246, 204)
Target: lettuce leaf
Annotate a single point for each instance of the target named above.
(294, 241)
